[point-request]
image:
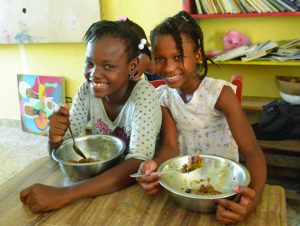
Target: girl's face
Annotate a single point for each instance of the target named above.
(169, 64)
(107, 67)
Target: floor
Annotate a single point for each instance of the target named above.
(20, 149)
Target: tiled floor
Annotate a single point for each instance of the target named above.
(19, 149)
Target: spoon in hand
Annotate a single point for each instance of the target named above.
(76, 149)
(135, 175)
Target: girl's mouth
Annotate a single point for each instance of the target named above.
(98, 84)
(171, 79)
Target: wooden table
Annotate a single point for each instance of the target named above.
(130, 206)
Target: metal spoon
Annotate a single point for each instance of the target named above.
(162, 172)
(76, 149)
(135, 175)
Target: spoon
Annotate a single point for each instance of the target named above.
(135, 175)
(76, 149)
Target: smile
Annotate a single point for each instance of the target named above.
(172, 78)
(99, 85)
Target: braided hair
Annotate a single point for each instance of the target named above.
(182, 23)
(134, 27)
(105, 28)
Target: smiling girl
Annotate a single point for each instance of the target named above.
(206, 112)
(114, 104)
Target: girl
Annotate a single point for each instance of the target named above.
(206, 111)
(115, 104)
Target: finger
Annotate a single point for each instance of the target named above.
(154, 191)
(231, 207)
(149, 179)
(226, 216)
(245, 191)
(150, 186)
(24, 194)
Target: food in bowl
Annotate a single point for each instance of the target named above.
(87, 160)
(194, 162)
(218, 173)
(204, 190)
(107, 150)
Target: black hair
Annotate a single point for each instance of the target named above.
(183, 23)
(139, 31)
(105, 28)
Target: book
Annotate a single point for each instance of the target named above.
(246, 6)
(257, 9)
(232, 54)
(286, 6)
(285, 44)
(259, 50)
(198, 6)
(278, 6)
(273, 9)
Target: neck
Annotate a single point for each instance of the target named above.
(121, 96)
(186, 91)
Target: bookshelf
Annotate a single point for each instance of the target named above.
(258, 27)
(190, 6)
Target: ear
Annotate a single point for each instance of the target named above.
(133, 66)
(198, 56)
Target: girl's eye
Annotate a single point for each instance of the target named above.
(89, 64)
(108, 66)
(158, 59)
(178, 58)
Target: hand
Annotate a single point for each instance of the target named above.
(41, 198)
(230, 212)
(58, 125)
(150, 182)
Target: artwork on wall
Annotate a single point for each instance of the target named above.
(46, 21)
(39, 96)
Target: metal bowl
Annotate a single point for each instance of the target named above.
(220, 172)
(107, 150)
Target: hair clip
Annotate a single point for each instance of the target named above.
(142, 43)
(184, 18)
(123, 18)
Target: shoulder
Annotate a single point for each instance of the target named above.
(143, 89)
(162, 90)
(213, 84)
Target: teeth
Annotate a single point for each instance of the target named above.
(99, 85)
(172, 78)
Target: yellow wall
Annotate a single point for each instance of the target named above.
(258, 80)
(67, 59)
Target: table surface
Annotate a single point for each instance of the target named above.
(131, 206)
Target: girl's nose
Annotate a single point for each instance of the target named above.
(96, 72)
(170, 66)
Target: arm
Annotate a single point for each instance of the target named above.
(252, 153)
(41, 198)
(168, 148)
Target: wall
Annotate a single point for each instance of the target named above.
(258, 80)
(67, 59)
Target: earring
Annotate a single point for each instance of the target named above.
(131, 77)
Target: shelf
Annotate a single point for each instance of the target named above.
(271, 63)
(255, 103)
(231, 15)
(190, 7)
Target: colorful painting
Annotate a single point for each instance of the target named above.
(39, 96)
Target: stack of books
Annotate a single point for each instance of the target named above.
(267, 50)
(246, 6)
(260, 50)
(287, 50)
